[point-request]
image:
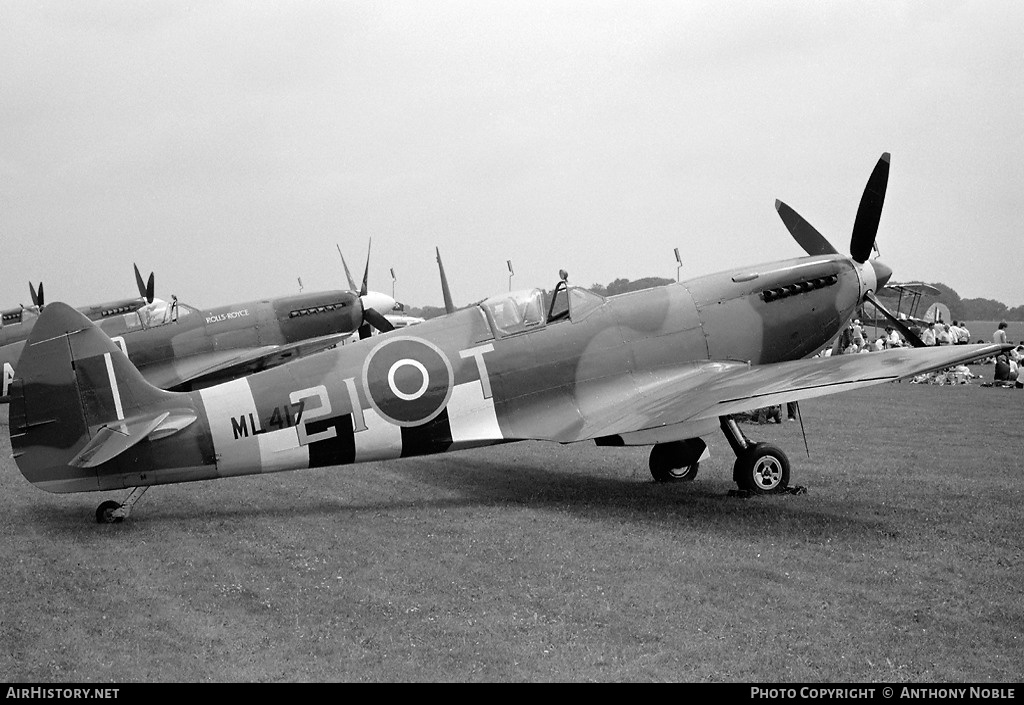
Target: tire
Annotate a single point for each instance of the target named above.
(762, 469)
(677, 461)
(105, 512)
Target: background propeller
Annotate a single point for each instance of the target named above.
(37, 296)
(449, 306)
(862, 240)
(147, 290)
(369, 300)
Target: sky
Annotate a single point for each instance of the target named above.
(233, 147)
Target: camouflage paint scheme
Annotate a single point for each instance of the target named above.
(647, 367)
(658, 367)
(177, 346)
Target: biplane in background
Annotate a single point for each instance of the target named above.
(180, 347)
(660, 367)
(907, 298)
(909, 293)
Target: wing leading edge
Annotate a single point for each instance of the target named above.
(714, 389)
(217, 366)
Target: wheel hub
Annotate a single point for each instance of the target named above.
(767, 473)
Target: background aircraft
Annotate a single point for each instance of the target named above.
(661, 367)
(94, 312)
(177, 346)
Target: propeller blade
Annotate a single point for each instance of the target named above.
(147, 290)
(869, 213)
(37, 297)
(908, 334)
(376, 320)
(139, 283)
(813, 242)
(364, 332)
(366, 272)
(348, 274)
(836, 344)
(449, 307)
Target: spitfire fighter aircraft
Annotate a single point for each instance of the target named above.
(179, 347)
(16, 323)
(660, 367)
(95, 312)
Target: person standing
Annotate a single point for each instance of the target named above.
(858, 335)
(965, 334)
(954, 333)
(1000, 335)
(928, 335)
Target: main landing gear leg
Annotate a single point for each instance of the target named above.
(761, 468)
(111, 512)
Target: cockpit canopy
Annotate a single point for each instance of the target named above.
(158, 313)
(515, 311)
(530, 309)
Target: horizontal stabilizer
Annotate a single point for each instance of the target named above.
(113, 439)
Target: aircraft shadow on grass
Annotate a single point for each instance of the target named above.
(472, 482)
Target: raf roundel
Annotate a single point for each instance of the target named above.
(408, 380)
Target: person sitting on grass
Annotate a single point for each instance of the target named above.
(1005, 373)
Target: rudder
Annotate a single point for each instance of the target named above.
(72, 382)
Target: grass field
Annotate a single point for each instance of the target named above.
(903, 562)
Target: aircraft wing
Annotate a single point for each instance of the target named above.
(713, 389)
(220, 365)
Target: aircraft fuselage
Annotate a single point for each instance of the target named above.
(457, 381)
(164, 344)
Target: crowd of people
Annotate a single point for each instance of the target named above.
(854, 338)
(1008, 370)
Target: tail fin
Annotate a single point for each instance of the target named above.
(78, 402)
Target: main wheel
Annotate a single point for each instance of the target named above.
(677, 461)
(762, 469)
(105, 512)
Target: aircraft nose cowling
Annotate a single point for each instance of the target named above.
(882, 273)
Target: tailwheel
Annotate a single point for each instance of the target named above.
(762, 468)
(105, 512)
(111, 512)
(677, 461)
